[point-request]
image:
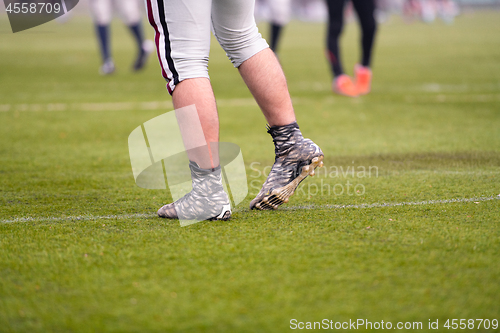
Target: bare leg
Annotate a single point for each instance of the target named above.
(199, 129)
(264, 77)
(199, 92)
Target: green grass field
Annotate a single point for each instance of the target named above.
(81, 249)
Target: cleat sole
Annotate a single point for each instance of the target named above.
(282, 195)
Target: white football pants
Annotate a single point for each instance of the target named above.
(183, 34)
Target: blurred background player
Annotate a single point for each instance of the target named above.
(130, 13)
(280, 11)
(342, 83)
(428, 10)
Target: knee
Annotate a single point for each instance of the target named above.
(241, 45)
(369, 26)
(335, 28)
(190, 67)
(180, 66)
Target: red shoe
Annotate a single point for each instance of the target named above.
(363, 79)
(343, 85)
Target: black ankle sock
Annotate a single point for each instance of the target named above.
(284, 137)
(280, 127)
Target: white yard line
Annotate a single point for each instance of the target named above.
(395, 204)
(227, 102)
(114, 106)
(80, 218)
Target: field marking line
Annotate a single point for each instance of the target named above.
(444, 98)
(394, 204)
(78, 218)
(222, 102)
(114, 106)
(82, 218)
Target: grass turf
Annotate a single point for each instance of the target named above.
(81, 250)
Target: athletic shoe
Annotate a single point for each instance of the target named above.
(146, 49)
(207, 200)
(296, 158)
(343, 85)
(363, 79)
(107, 68)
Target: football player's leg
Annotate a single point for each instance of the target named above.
(130, 11)
(296, 157)
(366, 14)
(237, 33)
(342, 83)
(102, 13)
(335, 26)
(280, 11)
(183, 43)
(266, 81)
